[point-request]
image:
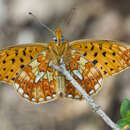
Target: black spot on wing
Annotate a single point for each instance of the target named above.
(111, 69)
(95, 54)
(100, 46)
(13, 60)
(95, 62)
(16, 52)
(21, 59)
(13, 79)
(31, 57)
(106, 63)
(11, 70)
(113, 61)
(6, 77)
(4, 61)
(4, 69)
(24, 52)
(22, 66)
(110, 47)
(105, 72)
(92, 48)
(113, 53)
(7, 54)
(104, 53)
(85, 54)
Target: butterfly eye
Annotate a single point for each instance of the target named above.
(55, 39)
(62, 39)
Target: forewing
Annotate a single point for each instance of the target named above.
(109, 57)
(14, 59)
(37, 81)
(85, 73)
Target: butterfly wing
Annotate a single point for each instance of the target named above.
(85, 73)
(13, 59)
(108, 56)
(37, 81)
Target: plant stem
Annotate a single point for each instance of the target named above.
(96, 108)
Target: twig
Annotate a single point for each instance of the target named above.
(96, 108)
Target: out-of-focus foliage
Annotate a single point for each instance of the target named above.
(125, 114)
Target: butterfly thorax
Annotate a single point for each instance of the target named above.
(59, 48)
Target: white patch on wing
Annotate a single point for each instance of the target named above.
(26, 95)
(91, 92)
(41, 99)
(33, 99)
(40, 74)
(69, 95)
(100, 80)
(76, 96)
(73, 51)
(16, 85)
(43, 52)
(96, 86)
(20, 90)
(77, 73)
(54, 95)
(48, 97)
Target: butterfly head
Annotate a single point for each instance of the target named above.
(58, 39)
(58, 46)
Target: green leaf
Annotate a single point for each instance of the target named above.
(128, 113)
(125, 108)
(123, 122)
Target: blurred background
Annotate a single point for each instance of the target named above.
(78, 19)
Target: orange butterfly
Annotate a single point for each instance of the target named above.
(89, 62)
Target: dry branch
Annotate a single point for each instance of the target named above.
(96, 108)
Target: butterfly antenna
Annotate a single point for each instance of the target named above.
(45, 26)
(69, 18)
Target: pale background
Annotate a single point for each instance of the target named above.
(99, 19)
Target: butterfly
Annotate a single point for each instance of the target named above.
(26, 67)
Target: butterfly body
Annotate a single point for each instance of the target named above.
(88, 61)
